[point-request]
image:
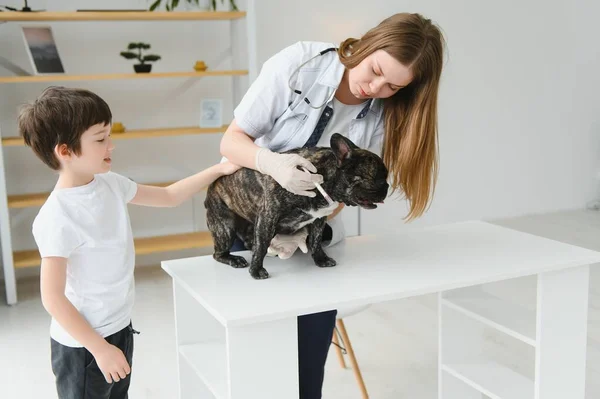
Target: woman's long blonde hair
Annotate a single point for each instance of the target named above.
(410, 147)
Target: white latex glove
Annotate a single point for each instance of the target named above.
(285, 245)
(283, 168)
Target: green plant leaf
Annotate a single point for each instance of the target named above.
(234, 6)
(175, 4)
(128, 54)
(155, 4)
(167, 7)
(213, 4)
(133, 46)
(151, 57)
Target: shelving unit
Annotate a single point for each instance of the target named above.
(242, 28)
(115, 76)
(49, 16)
(466, 368)
(143, 246)
(137, 134)
(38, 199)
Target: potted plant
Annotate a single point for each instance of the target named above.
(142, 67)
(170, 5)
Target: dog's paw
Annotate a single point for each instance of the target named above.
(259, 273)
(232, 260)
(325, 261)
(238, 262)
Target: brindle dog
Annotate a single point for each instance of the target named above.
(254, 207)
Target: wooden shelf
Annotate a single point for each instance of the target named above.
(121, 15)
(138, 134)
(112, 76)
(38, 199)
(143, 246)
(27, 200)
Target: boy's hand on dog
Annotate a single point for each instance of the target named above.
(284, 169)
(228, 168)
(112, 363)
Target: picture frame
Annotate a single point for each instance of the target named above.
(42, 50)
(211, 113)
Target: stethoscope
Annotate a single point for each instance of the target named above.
(306, 100)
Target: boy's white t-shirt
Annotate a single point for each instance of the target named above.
(89, 225)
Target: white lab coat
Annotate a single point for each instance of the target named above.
(280, 119)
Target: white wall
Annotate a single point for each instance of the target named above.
(518, 106)
(519, 111)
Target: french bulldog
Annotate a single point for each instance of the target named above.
(254, 207)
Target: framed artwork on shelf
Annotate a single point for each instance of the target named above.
(42, 50)
(211, 113)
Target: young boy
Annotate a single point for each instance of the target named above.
(85, 240)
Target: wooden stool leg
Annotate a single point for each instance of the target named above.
(357, 374)
(340, 355)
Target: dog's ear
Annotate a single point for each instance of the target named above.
(342, 147)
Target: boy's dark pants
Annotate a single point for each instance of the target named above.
(78, 376)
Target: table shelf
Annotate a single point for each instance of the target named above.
(493, 380)
(208, 360)
(492, 311)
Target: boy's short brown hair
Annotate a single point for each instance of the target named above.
(60, 115)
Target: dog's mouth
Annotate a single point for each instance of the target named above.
(366, 197)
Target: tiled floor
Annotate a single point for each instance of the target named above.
(395, 342)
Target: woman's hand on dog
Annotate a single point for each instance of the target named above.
(284, 169)
(284, 245)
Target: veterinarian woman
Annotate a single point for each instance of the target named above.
(381, 92)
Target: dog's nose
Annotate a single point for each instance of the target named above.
(382, 189)
(382, 185)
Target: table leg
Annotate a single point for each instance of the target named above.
(562, 311)
(262, 360)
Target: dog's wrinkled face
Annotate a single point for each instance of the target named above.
(363, 174)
